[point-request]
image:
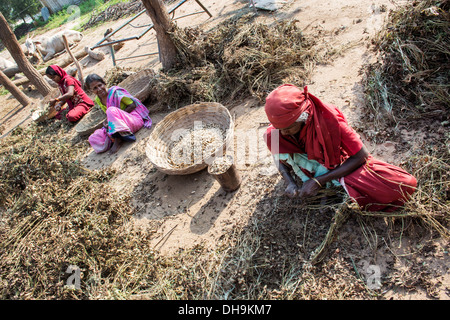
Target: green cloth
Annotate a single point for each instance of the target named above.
(124, 103)
(300, 160)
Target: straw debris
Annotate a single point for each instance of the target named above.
(238, 58)
(56, 214)
(116, 75)
(114, 12)
(411, 79)
(409, 87)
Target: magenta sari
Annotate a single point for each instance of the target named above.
(119, 121)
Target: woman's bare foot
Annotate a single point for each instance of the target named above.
(116, 145)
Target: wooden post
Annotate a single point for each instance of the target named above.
(225, 172)
(16, 92)
(77, 64)
(204, 8)
(162, 24)
(10, 41)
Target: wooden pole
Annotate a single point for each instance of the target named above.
(80, 74)
(225, 173)
(16, 92)
(10, 41)
(168, 52)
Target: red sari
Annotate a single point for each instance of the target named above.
(327, 138)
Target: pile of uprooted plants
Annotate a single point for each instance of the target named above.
(238, 58)
(408, 89)
(410, 81)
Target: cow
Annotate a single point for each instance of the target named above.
(5, 64)
(10, 69)
(49, 46)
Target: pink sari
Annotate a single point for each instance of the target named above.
(119, 121)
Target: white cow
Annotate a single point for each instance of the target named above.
(51, 45)
(5, 64)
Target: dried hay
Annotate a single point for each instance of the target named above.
(431, 201)
(409, 86)
(411, 79)
(117, 74)
(238, 58)
(114, 12)
(55, 214)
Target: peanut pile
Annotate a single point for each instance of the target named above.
(196, 145)
(220, 165)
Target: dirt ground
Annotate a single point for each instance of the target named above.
(193, 209)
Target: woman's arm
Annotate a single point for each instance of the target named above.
(311, 186)
(62, 99)
(130, 107)
(292, 189)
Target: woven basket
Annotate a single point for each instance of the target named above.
(91, 121)
(184, 118)
(43, 112)
(139, 84)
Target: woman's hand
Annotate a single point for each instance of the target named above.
(52, 102)
(347, 167)
(291, 190)
(309, 189)
(62, 99)
(58, 106)
(130, 107)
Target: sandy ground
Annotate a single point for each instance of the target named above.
(193, 209)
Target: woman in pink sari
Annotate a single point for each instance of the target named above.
(314, 140)
(125, 115)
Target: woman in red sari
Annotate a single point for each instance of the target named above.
(71, 92)
(315, 138)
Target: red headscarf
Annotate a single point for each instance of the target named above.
(62, 74)
(79, 97)
(319, 138)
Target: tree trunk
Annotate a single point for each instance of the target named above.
(168, 53)
(10, 41)
(16, 92)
